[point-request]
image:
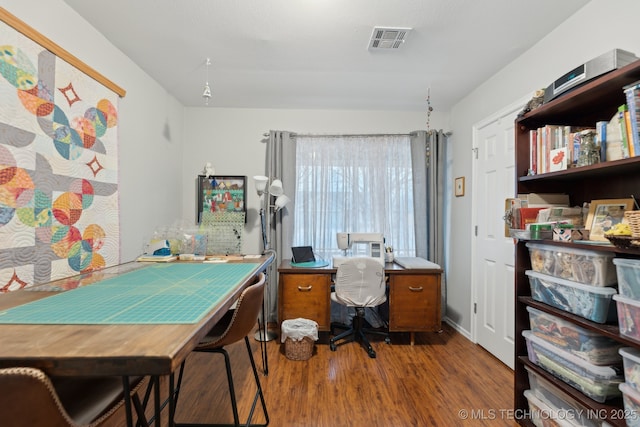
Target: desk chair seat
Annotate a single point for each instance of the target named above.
(30, 398)
(360, 283)
(235, 326)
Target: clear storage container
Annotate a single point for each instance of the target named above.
(628, 317)
(586, 266)
(590, 302)
(543, 415)
(588, 345)
(628, 273)
(631, 399)
(598, 382)
(631, 363)
(566, 406)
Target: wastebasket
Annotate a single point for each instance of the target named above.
(299, 337)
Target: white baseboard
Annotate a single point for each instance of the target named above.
(457, 327)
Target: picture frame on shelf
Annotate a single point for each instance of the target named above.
(221, 193)
(604, 214)
(459, 186)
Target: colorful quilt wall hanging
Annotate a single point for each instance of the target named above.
(59, 213)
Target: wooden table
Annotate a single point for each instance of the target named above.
(414, 296)
(107, 349)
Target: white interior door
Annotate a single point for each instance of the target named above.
(493, 254)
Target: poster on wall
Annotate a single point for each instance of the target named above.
(218, 194)
(59, 212)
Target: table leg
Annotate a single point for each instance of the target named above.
(156, 400)
(172, 400)
(127, 400)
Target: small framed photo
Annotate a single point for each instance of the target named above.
(604, 214)
(459, 186)
(218, 193)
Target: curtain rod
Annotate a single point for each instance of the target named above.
(318, 135)
(350, 135)
(311, 135)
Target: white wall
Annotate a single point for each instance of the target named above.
(600, 26)
(231, 139)
(150, 124)
(163, 146)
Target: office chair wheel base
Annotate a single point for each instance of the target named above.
(372, 353)
(387, 340)
(333, 346)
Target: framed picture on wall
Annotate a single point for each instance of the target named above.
(217, 193)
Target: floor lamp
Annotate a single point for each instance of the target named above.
(275, 191)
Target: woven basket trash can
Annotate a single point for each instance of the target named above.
(299, 337)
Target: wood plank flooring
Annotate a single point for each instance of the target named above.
(443, 380)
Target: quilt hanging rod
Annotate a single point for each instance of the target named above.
(310, 135)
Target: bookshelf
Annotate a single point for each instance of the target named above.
(596, 100)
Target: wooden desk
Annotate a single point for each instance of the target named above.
(414, 296)
(106, 349)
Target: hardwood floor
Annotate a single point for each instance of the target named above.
(427, 384)
(443, 380)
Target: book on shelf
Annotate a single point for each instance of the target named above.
(614, 147)
(528, 216)
(626, 153)
(627, 125)
(533, 152)
(557, 147)
(632, 94)
(601, 138)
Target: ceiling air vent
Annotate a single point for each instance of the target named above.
(387, 37)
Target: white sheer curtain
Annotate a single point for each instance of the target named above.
(360, 183)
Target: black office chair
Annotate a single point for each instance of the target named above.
(31, 398)
(360, 283)
(234, 326)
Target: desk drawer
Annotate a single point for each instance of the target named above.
(307, 296)
(414, 303)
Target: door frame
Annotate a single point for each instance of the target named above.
(512, 108)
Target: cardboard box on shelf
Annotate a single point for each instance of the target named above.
(533, 200)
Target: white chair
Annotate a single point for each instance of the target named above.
(360, 283)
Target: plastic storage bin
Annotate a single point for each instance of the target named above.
(543, 415)
(631, 363)
(628, 272)
(588, 345)
(631, 399)
(579, 265)
(572, 410)
(590, 302)
(598, 382)
(628, 317)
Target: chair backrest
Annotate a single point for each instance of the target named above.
(30, 398)
(245, 315)
(360, 282)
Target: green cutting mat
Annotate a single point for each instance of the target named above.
(161, 293)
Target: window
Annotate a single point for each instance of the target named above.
(354, 184)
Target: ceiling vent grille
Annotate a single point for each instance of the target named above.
(387, 38)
